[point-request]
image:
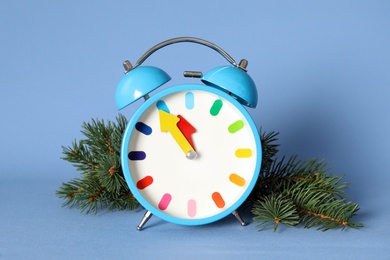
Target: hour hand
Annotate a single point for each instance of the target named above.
(187, 129)
(168, 122)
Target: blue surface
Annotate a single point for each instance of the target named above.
(322, 72)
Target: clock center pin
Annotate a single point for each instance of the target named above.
(191, 155)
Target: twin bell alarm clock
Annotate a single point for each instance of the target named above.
(191, 153)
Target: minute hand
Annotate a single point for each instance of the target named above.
(168, 122)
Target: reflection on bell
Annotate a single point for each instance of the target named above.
(235, 81)
(138, 82)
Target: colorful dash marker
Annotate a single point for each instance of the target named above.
(164, 202)
(191, 208)
(216, 107)
(137, 155)
(189, 100)
(143, 128)
(236, 126)
(237, 179)
(144, 182)
(218, 200)
(161, 105)
(243, 153)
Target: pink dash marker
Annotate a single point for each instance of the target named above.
(164, 202)
(191, 208)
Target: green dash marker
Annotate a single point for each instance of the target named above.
(216, 107)
(236, 126)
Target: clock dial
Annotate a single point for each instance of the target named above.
(210, 185)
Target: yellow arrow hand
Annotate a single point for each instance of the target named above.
(168, 122)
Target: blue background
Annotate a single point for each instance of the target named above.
(322, 69)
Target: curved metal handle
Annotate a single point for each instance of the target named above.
(185, 39)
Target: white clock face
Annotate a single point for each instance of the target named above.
(191, 155)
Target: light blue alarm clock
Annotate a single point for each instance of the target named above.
(191, 154)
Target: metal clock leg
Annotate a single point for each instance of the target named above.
(239, 218)
(145, 219)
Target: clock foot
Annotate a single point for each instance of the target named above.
(239, 218)
(145, 219)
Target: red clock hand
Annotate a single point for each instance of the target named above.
(187, 129)
(168, 123)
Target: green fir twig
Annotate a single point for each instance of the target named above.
(289, 191)
(307, 190)
(97, 157)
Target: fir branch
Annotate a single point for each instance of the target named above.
(80, 156)
(317, 196)
(109, 175)
(71, 191)
(288, 191)
(84, 194)
(122, 201)
(269, 151)
(274, 210)
(332, 215)
(321, 204)
(98, 159)
(98, 137)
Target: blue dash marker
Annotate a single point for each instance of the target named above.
(161, 105)
(137, 155)
(143, 128)
(189, 100)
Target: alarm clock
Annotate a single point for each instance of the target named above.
(191, 153)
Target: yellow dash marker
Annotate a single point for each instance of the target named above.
(237, 179)
(168, 122)
(243, 153)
